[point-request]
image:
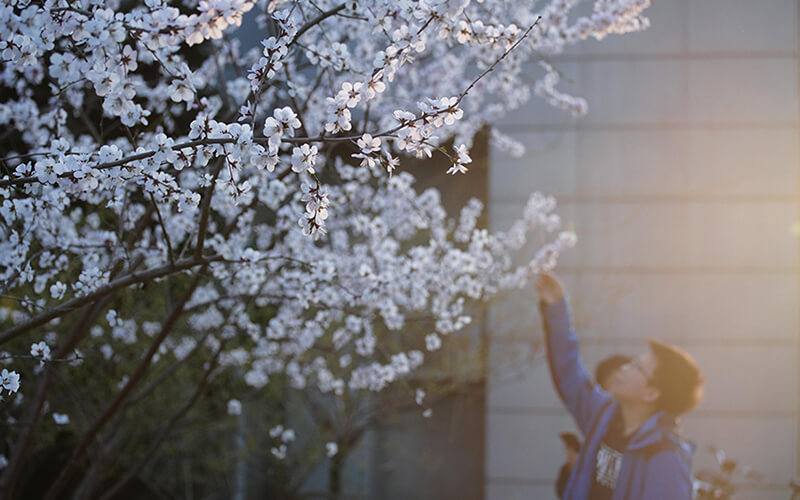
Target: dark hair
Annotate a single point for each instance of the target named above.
(570, 440)
(677, 377)
(608, 366)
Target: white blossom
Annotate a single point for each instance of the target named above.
(461, 159)
(369, 146)
(57, 290)
(279, 451)
(304, 158)
(40, 350)
(350, 94)
(61, 418)
(283, 121)
(419, 396)
(432, 342)
(9, 380)
(234, 407)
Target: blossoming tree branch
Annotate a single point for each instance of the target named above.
(259, 191)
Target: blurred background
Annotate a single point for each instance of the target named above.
(682, 186)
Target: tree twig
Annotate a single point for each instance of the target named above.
(160, 438)
(314, 22)
(12, 472)
(130, 279)
(170, 254)
(80, 450)
(205, 210)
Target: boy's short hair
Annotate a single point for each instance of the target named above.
(608, 366)
(677, 377)
(570, 440)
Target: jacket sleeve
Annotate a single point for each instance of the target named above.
(573, 384)
(668, 477)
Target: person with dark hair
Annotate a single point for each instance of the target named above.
(572, 446)
(632, 447)
(606, 368)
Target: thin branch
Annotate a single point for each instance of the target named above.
(294, 102)
(89, 125)
(174, 366)
(161, 437)
(22, 300)
(170, 254)
(315, 21)
(127, 159)
(34, 412)
(366, 119)
(23, 156)
(78, 332)
(491, 68)
(135, 378)
(12, 472)
(314, 87)
(101, 461)
(7, 283)
(205, 211)
(130, 279)
(74, 358)
(167, 372)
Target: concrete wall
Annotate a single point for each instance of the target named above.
(682, 185)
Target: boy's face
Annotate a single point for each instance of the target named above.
(631, 382)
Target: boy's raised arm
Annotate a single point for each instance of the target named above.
(572, 382)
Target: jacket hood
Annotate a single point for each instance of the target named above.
(662, 428)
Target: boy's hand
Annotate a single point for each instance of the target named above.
(549, 288)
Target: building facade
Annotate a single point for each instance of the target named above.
(682, 185)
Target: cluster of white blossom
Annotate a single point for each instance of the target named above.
(142, 141)
(286, 436)
(366, 277)
(546, 88)
(9, 380)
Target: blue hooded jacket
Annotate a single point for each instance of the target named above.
(656, 464)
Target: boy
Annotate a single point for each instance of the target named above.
(632, 450)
